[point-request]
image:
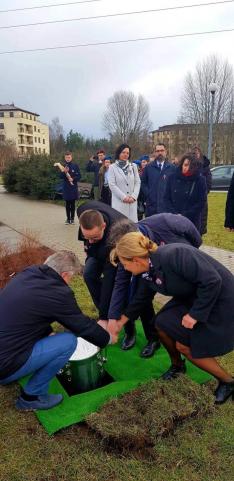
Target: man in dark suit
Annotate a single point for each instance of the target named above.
(29, 303)
(154, 179)
(96, 219)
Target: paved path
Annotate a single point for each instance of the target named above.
(21, 215)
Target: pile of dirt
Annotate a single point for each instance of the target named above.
(138, 418)
(28, 252)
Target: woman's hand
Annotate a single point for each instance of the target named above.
(126, 200)
(188, 321)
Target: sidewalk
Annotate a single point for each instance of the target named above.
(47, 220)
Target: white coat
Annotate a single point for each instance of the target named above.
(121, 186)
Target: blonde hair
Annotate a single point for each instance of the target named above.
(133, 244)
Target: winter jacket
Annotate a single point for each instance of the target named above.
(229, 210)
(161, 229)
(94, 166)
(121, 186)
(29, 303)
(70, 192)
(201, 284)
(186, 195)
(153, 184)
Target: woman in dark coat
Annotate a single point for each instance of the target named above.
(186, 191)
(205, 171)
(229, 210)
(199, 320)
(70, 186)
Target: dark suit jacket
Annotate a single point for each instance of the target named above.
(29, 303)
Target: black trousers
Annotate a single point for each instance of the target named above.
(70, 209)
(148, 322)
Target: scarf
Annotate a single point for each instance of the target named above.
(124, 165)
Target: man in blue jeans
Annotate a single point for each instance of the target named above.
(29, 303)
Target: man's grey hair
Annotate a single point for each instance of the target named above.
(64, 261)
(119, 229)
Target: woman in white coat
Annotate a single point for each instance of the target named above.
(124, 183)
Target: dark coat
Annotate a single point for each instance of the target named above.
(161, 229)
(70, 192)
(153, 184)
(94, 166)
(186, 195)
(29, 303)
(229, 210)
(202, 284)
(205, 171)
(101, 250)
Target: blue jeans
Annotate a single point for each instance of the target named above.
(48, 356)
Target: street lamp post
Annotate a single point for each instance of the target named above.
(212, 90)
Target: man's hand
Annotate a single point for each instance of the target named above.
(188, 321)
(103, 324)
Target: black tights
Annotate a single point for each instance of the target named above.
(70, 209)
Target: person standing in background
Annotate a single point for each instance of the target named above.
(205, 171)
(124, 183)
(94, 165)
(154, 180)
(104, 190)
(229, 210)
(70, 186)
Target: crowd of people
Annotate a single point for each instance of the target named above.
(141, 235)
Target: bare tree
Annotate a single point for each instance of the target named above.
(196, 98)
(8, 153)
(57, 141)
(126, 119)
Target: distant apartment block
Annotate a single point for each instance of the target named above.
(181, 138)
(23, 127)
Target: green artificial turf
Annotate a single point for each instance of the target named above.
(127, 369)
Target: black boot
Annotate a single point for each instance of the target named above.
(128, 342)
(150, 348)
(224, 391)
(174, 371)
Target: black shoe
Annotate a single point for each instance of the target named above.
(174, 371)
(67, 221)
(150, 348)
(72, 221)
(224, 391)
(128, 342)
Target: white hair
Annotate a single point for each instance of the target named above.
(64, 261)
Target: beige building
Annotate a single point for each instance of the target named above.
(181, 138)
(23, 127)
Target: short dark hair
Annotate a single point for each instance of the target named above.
(118, 229)
(194, 164)
(120, 149)
(90, 219)
(101, 151)
(68, 152)
(160, 143)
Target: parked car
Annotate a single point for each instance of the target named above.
(221, 177)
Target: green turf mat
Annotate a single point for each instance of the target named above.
(128, 370)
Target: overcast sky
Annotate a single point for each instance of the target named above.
(74, 84)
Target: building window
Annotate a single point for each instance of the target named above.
(22, 114)
(39, 140)
(35, 139)
(39, 130)
(35, 150)
(1, 126)
(11, 114)
(35, 129)
(43, 141)
(39, 150)
(1, 114)
(43, 151)
(34, 117)
(30, 117)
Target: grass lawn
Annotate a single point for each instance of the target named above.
(199, 449)
(217, 235)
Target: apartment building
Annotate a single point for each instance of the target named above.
(180, 138)
(24, 127)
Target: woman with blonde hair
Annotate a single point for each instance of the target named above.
(198, 321)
